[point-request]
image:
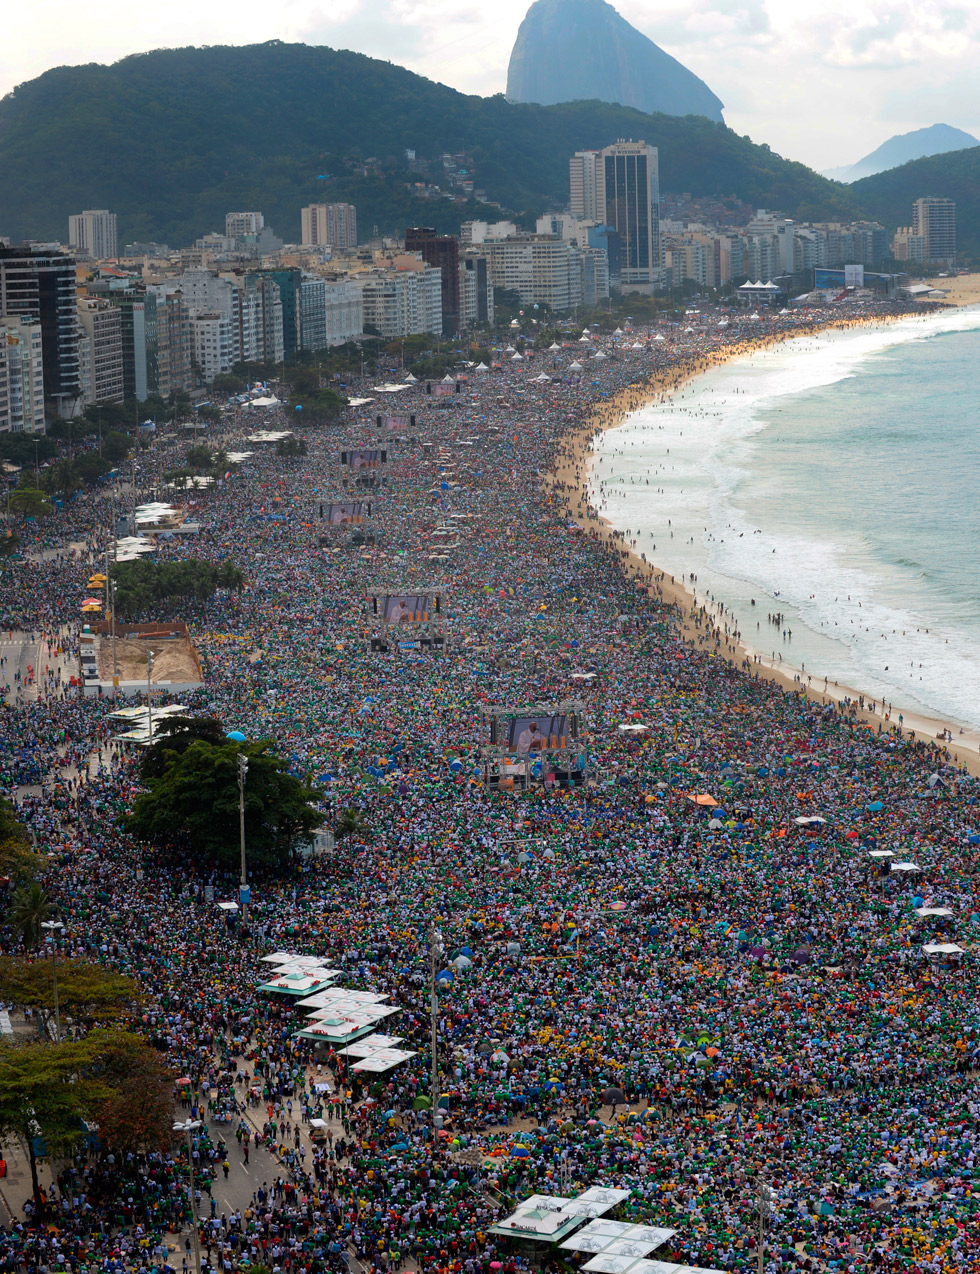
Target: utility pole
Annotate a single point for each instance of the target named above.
(243, 898)
(434, 1033)
(765, 1203)
(190, 1126)
(54, 927)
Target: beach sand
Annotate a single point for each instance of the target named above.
(961, 289)
(703, 625)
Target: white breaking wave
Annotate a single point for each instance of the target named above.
(671, 477)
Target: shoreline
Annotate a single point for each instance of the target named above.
(702, 623)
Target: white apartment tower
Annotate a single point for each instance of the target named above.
(330, 225)
(93, 234)
(935, 220)
(21, 376)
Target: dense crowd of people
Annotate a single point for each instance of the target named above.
(637, 987)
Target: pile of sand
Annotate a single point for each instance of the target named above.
(173, 660)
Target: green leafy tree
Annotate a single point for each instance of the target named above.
(175, 735)
(30, 502)
(116, 446)
(209, 413)
(141, 584)
(30, 907)
(195, 802)
(227, 383)
(292, 447)
(90, 467)
(87, 992)
(198, 457)
(45, 1094)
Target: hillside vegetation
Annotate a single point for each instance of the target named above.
(172, 140)
(956, 175)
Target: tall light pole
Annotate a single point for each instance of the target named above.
(243, 898)
(54, 927)
(435, 945)
(149, 701)
(190, 1126)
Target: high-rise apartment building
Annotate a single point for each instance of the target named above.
(441, 251)
(541, 269)
(240, 224)
(907, 245)
(21, 376)
(329, 225)
(583, 186)
(935, 220)
(93, 234)
(402, 302)
(101, 326)
(620, 187)
(475, 290)
(211, 341)
(41, 285)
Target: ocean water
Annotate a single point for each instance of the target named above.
(835, 480)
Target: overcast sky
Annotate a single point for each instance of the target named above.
(824, 83)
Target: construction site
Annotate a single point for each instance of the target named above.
(126, 658)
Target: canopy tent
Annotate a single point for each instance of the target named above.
(383, 1059)
(933, 911)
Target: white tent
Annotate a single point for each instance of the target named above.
(554, 345)
(268, 401)
(410, 379)
(600, 356)
(575, 367)
(517, 358)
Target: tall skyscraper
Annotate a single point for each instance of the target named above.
(935, 220)
(93, 234)
(330, 225)
(442, 252)
(41, 285)
(620, 187)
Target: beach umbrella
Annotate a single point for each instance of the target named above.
(613, 1096)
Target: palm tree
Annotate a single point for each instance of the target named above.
(350, 824)
(30, 907)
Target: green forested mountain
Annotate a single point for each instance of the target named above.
(956, 175)
(174, 139)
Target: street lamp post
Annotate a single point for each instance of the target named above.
(243, 886)
(54, 927)
(190, 1126)
(149, 701)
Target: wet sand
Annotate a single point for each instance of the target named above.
(701, 624)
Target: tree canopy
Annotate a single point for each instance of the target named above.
(87, 992)
(194, 803)
(141, 584)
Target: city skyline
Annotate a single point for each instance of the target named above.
(854, 66)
